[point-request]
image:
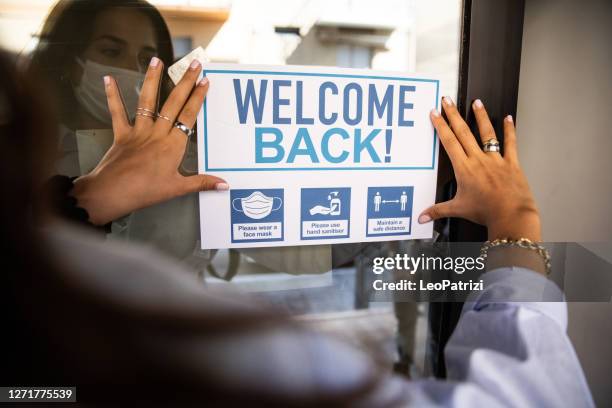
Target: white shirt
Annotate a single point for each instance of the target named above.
(506, 351)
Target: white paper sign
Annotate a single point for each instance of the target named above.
(316, 155)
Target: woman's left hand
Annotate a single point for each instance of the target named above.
(141, 167)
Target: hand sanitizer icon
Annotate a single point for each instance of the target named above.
(334, 203)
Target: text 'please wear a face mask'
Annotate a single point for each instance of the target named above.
(91, 95)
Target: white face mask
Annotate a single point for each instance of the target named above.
(257, 205)
(91, 95)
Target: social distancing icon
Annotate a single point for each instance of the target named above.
(389, 210)
(402, 201)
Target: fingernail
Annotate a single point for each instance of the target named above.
(194, 65)
(107, 80)
(221, 186)
(154, 62)
(478, 104)
(423, 218)
(509, 118)
(447, 101)
(434, 113)
(203, 81)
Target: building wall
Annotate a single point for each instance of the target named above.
(564, 108)
(20, 20)
(437, 41)
(248, 36)
(419, 35)
(564, 141)
(201, 32)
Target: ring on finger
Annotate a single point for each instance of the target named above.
(148, 115)
(183, 128)
(491, 145)
(146, 110)
(159, 115)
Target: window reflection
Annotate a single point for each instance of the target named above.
(73, 43)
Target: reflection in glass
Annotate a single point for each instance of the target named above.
(78, 42)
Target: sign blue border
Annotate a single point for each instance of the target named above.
(313, 74)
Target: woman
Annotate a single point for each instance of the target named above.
(119, 37)
(81, 42)
(123, 324)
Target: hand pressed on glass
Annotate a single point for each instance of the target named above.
(141, 167)
(491, 189)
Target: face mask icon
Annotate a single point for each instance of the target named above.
(257, 205)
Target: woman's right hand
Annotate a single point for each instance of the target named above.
(141, 167)
(492, 190)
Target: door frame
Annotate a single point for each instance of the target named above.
(489, 69)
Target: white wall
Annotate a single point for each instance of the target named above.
(564, 112)
(565, 142)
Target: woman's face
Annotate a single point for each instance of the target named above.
(122, 38)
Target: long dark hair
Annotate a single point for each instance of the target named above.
(67, 32)
(23, 155)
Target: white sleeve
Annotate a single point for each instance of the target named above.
(510, 346)
(511, 343)
(509, 349)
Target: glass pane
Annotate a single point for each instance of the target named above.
(73, 42)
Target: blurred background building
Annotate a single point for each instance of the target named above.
(396, 35)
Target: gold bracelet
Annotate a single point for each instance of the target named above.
(521, 243)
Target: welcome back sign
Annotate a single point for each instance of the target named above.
(316, 155)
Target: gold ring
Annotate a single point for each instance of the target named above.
(146, 110)
(146, 114)
(159, 115)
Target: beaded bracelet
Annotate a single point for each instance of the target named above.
(521, 243)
